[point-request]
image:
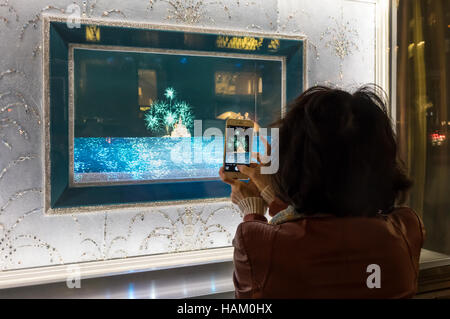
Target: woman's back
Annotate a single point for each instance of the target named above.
(329, 257)
(335, 231)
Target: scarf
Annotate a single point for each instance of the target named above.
(290, 214)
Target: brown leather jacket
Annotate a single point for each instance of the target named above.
(327, 257)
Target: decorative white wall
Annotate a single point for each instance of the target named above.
(341, 51)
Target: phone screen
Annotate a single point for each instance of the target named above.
(237, 147)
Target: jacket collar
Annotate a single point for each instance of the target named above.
(290, 214)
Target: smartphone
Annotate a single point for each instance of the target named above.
(238, 146)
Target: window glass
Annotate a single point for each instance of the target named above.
(423, 89)
(134, 112)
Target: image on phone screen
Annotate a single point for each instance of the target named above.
(238, 147)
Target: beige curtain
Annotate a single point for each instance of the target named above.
(412, 96)
(422, 109)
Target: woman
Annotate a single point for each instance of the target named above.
(337, 230)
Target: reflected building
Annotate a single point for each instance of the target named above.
(423, 88)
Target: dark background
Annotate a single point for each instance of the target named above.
(107, 100)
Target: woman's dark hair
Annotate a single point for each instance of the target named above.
(338, 154)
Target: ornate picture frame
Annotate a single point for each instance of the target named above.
(61, 195)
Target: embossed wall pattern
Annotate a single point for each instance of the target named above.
(341, 50)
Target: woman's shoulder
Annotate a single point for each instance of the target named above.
(404, 220)
(404, 215)
(408, 222)
(255, 232)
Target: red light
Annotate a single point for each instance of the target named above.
(437, 138)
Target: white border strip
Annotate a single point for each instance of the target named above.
(47, 19)
(382, 51)
(52, 274)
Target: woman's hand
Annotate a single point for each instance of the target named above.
(254, 170)
(254, 173)
(239, 189)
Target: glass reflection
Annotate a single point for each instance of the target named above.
(423, 86)
(134, 112)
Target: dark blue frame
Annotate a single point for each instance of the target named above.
(59, 194)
